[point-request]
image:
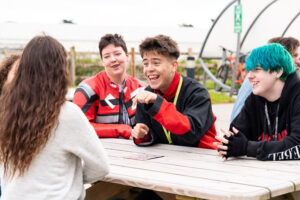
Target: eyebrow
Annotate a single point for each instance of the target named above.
(116, 51)
(153, 59)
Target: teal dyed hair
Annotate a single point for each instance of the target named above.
(271, 57)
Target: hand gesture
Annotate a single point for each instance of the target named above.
(144, 97)
(139, 131)
(232, 144)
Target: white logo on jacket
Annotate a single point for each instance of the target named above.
(107, 100)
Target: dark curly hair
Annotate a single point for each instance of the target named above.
(160, 44)
(5, 67)
(31, 103)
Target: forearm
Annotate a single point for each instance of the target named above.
(273, 150)
(112, 130)
(167, 115)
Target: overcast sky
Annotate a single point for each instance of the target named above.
(113, 12)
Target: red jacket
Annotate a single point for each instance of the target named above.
(99, 99)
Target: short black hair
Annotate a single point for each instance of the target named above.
(115, 39)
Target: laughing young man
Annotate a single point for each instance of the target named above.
(106, 98)
(173, 109)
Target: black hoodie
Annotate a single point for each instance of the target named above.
(252, 122)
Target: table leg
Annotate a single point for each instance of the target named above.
(294, 195)
(105, 190)
(180, 197)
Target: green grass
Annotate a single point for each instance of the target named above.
(219, 97)
(210, 84)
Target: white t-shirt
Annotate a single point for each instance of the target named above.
(72, 156)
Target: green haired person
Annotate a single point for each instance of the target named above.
(268, 126)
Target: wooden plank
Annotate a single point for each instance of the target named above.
(276, 186)
(187, 186)
(204, 159)
(291, 166)
(215, 166)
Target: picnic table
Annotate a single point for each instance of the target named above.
(190, 173)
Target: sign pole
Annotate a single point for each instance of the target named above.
(238, 30)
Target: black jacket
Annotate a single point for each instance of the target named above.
(189, 122)
(252, 122)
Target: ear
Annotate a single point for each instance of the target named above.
(279, 73)
(175, 64)
(127, 56)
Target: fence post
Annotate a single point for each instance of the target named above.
(190, 71)
(72, 65)
(132, 64)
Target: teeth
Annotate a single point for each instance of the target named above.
(153, 76)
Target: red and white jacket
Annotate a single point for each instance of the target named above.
(99, 98)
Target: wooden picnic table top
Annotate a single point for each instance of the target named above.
(195, 172)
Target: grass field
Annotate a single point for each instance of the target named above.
(220, 97)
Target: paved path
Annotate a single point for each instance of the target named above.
(222, 112)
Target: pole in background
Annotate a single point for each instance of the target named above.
(238, 30)
(72, 67)
(132, 64)
(190, 70)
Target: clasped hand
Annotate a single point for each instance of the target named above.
(231, 144)
(139, 131)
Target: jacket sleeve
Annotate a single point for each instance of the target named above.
(142, 117)
(84, 143)
(87, 99)
(188, 126)
(112, 130)
(288, 148)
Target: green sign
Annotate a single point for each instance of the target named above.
(238, 18)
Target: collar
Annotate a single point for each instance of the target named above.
(111, 83)
(171, 92)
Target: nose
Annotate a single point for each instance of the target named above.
(250, 74)
(148, 68)
(296, 61)
(113, 58)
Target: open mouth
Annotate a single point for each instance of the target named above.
(254, 84)
(153, 77)
(115, 66)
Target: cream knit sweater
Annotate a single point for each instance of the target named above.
(73, 156)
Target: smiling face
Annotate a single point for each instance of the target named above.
(159, 70)
(115, 61)
(265, 83)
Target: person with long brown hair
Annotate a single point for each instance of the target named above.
(8, 67)
(48, 149)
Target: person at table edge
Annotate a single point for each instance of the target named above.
(106, 98)
(268, 126)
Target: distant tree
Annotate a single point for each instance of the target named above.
(186, 25)
(66, 21)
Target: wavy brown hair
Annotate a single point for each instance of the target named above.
(31, 103)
